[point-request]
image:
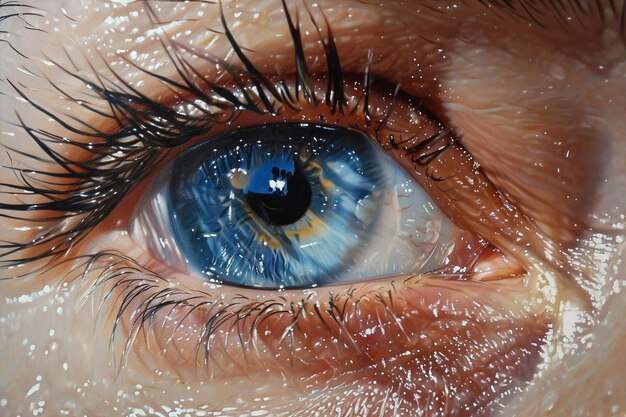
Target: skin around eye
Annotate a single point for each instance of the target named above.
(478, 77)
(314, 337)
(250, 332)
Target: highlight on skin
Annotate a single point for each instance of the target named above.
(508, 116)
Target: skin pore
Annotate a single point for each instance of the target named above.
(531, 91)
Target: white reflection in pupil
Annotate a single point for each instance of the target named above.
(278, 186)
(268, 192)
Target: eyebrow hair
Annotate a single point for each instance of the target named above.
(563, 12)
(567, 14)
(11, 11)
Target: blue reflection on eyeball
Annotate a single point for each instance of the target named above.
(291, 205)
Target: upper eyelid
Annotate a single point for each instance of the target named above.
(148, 101)
(96, 164)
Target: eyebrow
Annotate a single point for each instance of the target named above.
(13, 11)
(567, 14)
(571, 15)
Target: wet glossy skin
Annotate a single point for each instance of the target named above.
(536, 103)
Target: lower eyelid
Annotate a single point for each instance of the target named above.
(376, 332)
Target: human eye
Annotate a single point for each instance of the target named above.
(157, 335)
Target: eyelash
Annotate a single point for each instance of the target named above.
(119, 160)
(85, 192)
(131, 300)
(137, 295)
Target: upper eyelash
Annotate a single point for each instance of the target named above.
(84, 192)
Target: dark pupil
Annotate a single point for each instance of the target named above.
(279, 196)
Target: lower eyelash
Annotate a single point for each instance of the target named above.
(139, 299)
(322, 338)
(137, 296)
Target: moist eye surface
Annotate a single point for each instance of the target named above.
(292, 205)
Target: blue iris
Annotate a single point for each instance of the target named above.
(275, 206)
